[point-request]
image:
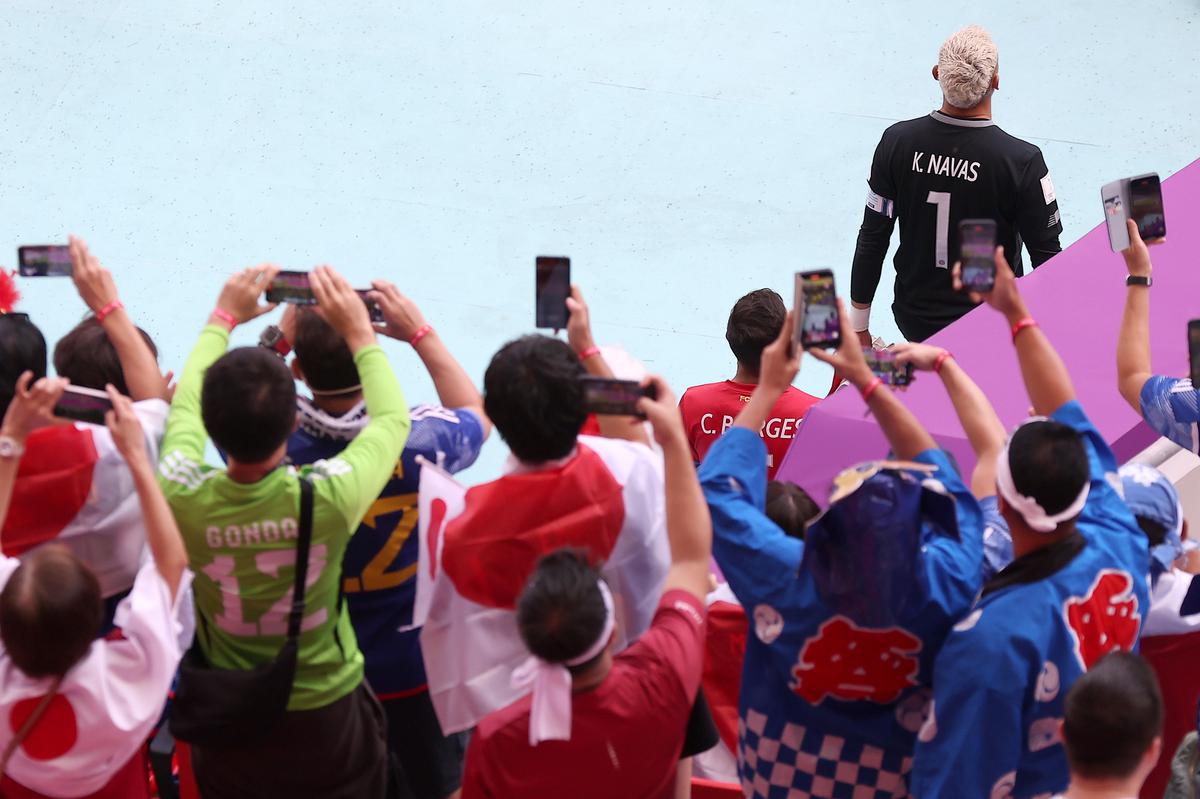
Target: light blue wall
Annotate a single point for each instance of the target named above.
(680, 153)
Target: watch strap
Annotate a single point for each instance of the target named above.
(1139, 280)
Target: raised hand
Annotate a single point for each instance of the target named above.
(847, 360)
(663, 413)
(1137, 254)
(923, 357)
(780, 359)
(240, 294)
(401, 316)
(32, 408)
(1004, 296)
(94, 283)
(125, 428)
(579, 322)
(343, 308)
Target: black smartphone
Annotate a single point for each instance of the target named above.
(1194, 350)
(44, 260)
(83, 405)
(611, 397)
(977, 249)
(372, 307)
(883, 365)
(1146, 206)
(551, 292)
(291, 287)
(820, 323)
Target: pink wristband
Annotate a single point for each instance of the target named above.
(225, 316)
(1021, 324)
(871, 388)
(589, 352)
(107, 309)
(941, 359)
(420, 334)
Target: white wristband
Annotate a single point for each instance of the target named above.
(860, 318)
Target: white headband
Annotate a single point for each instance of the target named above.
(550, 714)
(1033, 513)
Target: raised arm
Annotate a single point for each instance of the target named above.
(1133, 342)
(403, 321)
(907, 437)
(978, 418)
(162, 534)
(1038, 219)
(96, 288)
(579, 336)
(1046, 378)
(689, 528)
(874, 236)
(30, 409)
(185, 435)
(372, 455)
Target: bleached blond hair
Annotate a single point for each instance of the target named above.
(966, 65)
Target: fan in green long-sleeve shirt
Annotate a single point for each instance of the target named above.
(241, 537)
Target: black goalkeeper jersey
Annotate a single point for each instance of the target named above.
(931, 173)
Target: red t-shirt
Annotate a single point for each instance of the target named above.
(709, 410)
(626, 733)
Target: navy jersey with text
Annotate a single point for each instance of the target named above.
(831, 700)
(1001, 678)
(380, 565)
(931, 173)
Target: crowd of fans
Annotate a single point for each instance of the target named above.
(633, 605)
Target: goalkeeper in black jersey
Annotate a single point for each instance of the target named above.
(936, 170)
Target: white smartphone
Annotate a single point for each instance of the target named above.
(1115, 196)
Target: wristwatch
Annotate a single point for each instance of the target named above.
(10, 448)
(272, 338)
(1139, 280)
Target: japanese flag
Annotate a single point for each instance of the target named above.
(440, 498)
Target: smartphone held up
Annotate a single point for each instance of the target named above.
(884, 366)
(977, 240)
(293, 288)
(611, 397)
(1138, 198)
(83, 405)
(552, 286)
(44, 260)
(818, 323)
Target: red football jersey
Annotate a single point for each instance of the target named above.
(709, 410)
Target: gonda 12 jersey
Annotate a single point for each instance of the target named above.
(931, 173)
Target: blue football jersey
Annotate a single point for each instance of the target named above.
(1171, 407)
(380, 565)
(1001, 678)
(844, 626)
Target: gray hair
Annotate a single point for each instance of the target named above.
(966, 65)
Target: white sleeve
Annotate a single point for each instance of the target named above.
(139, 667)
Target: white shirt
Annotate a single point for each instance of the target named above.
(107, 703)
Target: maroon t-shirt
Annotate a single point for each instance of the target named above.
(709, 410)
(626, 733)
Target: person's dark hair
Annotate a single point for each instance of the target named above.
(22, 348)
(754, 323)
(790, 507)
(1049, 463)
(87, 357)
(50, 611)
(1112, 715)
(323, 355)
(533, 394)
(560, 612)
(248, 403)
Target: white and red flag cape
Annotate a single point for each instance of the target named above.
(479, 546)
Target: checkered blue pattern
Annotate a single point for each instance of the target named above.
(1172, 408)
(807, 764)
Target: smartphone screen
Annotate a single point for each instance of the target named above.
(44, 260)
(372, 307)
(977, 254)
(551, 292)
(883, 365)
(611, 397)
(820, 325)
(83, 405)
(291, 287)
(1146, 207)
(1194, 350)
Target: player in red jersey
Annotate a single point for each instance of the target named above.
(710, 409)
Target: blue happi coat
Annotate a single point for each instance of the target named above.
(844, 627)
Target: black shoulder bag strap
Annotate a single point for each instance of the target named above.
(302, 547)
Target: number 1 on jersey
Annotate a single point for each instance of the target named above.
(942, 200)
